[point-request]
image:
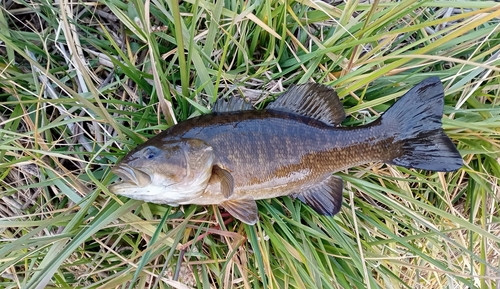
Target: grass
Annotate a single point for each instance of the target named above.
(82, 83)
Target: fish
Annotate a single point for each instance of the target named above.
(237, 154)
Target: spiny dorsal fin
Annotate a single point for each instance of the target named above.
(233, 104)
(313, 100)
(244, 210)
(325, 197)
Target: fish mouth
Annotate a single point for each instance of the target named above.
(132, 176)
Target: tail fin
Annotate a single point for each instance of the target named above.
(416, 117)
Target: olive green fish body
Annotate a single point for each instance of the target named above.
(238, 155)
(289, 150)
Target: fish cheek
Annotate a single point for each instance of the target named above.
(176, 174)
(174, 169)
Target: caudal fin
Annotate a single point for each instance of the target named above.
(416, 120)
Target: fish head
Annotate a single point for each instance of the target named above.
(166, 172)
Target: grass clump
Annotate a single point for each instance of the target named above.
(82, 83)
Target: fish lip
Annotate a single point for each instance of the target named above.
(128, 174)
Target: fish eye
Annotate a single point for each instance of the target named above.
(150, 153)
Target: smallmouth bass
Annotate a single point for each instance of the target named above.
(237, 155)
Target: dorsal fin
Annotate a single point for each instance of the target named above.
(313, 100)
(233, 104)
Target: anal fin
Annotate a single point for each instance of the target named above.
(325, 197)
(244, 210)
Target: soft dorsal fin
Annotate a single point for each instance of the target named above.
(233, 104)
(313, 100)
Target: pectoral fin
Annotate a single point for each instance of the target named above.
(244, 210)
(226, 180)
(325, 197)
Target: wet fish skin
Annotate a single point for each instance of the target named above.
(290, 148)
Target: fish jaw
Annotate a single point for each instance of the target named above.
(155, 188)
(150, 193)
(172, 195)
(132, 176)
